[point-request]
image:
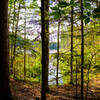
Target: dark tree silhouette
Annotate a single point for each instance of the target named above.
(45, 48)
(4, 66)
(71, 64)
(57, 78)
(82, 53)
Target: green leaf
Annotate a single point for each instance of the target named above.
(87, 20)
(62, 12)
(56, 15)
(96, 13)
(54, 8)
(72, 3)
(96, 10)
(63, 4)
(88, 13)
(83, 17)
(96, 16)
(87, 5)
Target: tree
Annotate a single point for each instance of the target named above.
(15, 37)
(82, 53)
(45, 42)
(11, 64)
(57, 78)
(5, 93)
(76, 76)
(71, 64)
(25, 47)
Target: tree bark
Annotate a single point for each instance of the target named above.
(5, 93)
(57, 78)
(11, 64)
(76, 77)
(71, 64)
(15, 37)
(45, 49)
(82, 53)
(25, 48)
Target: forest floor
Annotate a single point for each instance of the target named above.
(30, 91)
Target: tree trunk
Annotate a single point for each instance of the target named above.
(11, 64)
(57, 78)
(4, 66)
(45, 49)
(71, 64)
(9, 32)
(76, 77)
(97, 3)
(25, 47)
(82, 54)
(88, 76)
(15, 37)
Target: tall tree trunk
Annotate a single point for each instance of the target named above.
(76, 76)
(11, 64)
(15, 37)
(71, 64)
(82, 53)
(4, 66)
(9, 32)
(45, 49)
(88, 76)
(97, 3)
(57, 78)
(25, 47)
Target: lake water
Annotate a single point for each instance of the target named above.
(52, 71)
